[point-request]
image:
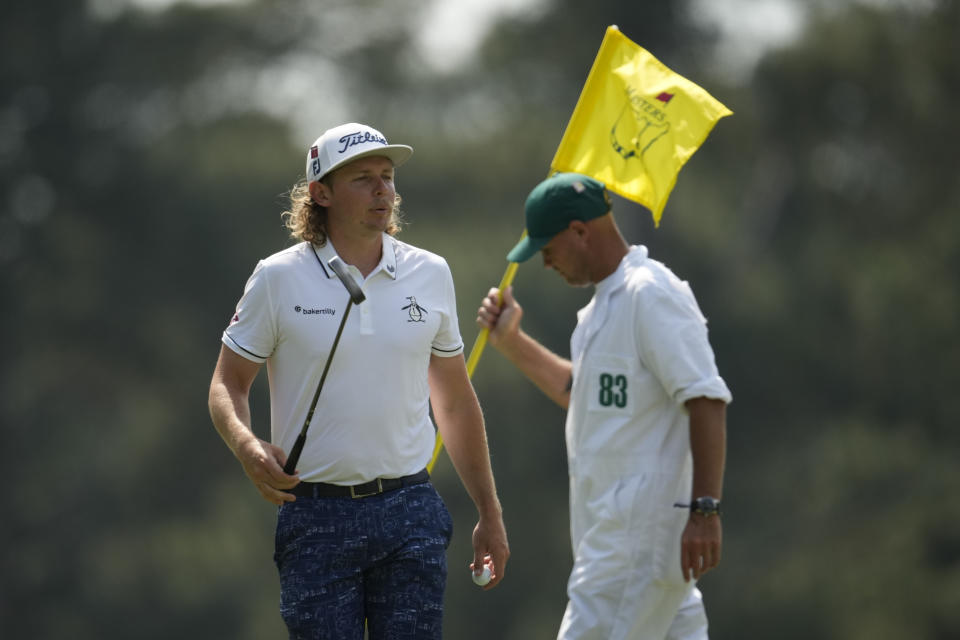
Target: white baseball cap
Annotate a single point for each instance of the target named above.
(340, 145)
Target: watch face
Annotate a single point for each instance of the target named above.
(707, 505)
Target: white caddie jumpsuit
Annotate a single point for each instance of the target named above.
(640, 350)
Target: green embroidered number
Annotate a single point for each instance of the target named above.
(613, 390)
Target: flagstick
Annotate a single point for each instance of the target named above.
(478, 346)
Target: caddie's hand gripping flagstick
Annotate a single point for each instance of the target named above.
(356, 297)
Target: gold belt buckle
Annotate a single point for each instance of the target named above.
(354, 494)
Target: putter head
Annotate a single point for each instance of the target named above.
(339, 268)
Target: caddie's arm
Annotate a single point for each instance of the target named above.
(702, 541)
(551, 373)
(460, 422)
(229, 404)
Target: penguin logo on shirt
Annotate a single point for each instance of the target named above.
(415, 310)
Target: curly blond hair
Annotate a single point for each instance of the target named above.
(307, 220)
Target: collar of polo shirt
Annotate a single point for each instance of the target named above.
(388, 259)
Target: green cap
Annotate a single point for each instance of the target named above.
(553, 205)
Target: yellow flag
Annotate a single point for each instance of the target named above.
(636, 124)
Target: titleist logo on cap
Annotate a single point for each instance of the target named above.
(340, 145)
(359, 137)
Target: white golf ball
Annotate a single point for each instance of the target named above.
(483, 578)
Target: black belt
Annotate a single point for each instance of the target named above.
(372, 488)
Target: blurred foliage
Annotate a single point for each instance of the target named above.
(144, 158)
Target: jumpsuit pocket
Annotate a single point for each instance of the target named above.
(655, 526)
(670, 522)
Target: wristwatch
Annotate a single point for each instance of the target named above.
(705, 506)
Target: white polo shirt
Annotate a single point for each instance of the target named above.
(372, 418)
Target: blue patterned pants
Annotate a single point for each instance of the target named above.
(379, 559)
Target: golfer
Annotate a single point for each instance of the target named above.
(361, 532)
(645, 425)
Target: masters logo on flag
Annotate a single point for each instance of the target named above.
(636, 124)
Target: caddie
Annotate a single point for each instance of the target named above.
(646, 420)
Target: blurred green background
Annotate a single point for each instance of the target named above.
(145, 149)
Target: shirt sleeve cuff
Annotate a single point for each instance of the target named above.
(447, 353)
(237, 348)
(713, 387)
